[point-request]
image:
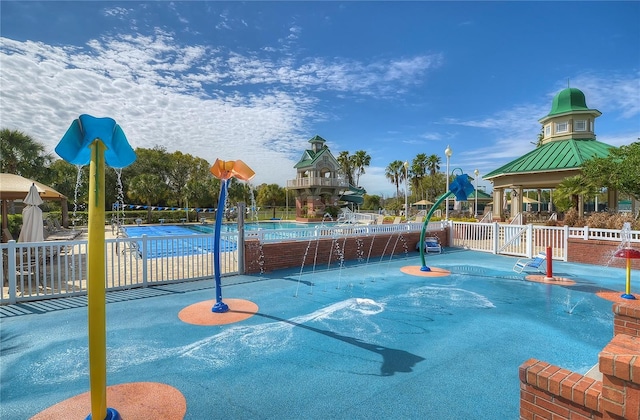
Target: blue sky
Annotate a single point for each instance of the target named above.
(256, 80)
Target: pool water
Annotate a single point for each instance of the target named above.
(176, 241)
(180, 245)
(233, 227)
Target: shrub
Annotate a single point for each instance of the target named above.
(601, 220)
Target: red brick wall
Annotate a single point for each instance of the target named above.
(274, 256)
(626, 320)
(598, 253)
(550, 392)
(620, 369)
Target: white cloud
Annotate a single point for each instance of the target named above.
(188, 98)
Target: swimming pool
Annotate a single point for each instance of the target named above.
(176, 241)
(272, 225)
(360, 342)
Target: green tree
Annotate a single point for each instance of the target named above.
(70, 180)
(22, 155)
(361, 159)
(620, 170)
(270, 195)
(539, 143)
(202, 192)
(434, 185)
(433, 164)
(240, 191)
(346, 166)
(395, 174)
(149, 189)
(149, 161)
(571, 188)
(418, 172)
(371, 202)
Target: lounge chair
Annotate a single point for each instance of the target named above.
(397, 220)
(431, 244)
(536, 263)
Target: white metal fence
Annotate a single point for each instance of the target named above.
(527, 240)
(44, 270)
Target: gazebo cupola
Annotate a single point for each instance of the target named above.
(569, 118)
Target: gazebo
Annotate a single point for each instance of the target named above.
(568, 141)
(15, 187)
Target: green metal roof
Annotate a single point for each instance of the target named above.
(317, 138)
(309, 156)
(481, 195)
(555, 155)
(567, 100)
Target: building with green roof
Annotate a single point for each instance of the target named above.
(568, 139)
(318, 182)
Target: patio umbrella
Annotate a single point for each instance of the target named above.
(32, 223)
(422, 203)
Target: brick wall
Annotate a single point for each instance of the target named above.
(550, 392)
(274, 256)
(598, 253)
(626, 320)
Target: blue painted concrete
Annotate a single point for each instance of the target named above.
(359, 342)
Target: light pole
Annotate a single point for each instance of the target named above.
(406, 198)
(476, 173)
(286, 207)
(447, 152)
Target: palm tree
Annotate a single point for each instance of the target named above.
(539, 143)
(395, 173)
(418, 171)
(147, 188)
(346, 165)
(433, 164)
(22, 155)
(360, 159)
(573, 188)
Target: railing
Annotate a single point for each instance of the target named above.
(487, 217)
(269, 235)
(527, 240)
(44, 270)
(317, 181)
(50, 269)
(348, 216)
(517, 240)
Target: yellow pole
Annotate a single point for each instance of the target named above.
(628, 289)
(96, 284)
